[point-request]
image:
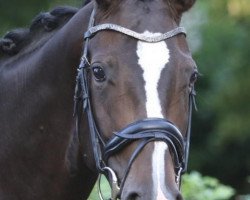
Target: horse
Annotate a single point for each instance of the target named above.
(116, 100)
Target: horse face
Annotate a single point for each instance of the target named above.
(133, 80)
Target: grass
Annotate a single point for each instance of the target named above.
(105, 189)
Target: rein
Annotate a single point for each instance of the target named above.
(144, 131)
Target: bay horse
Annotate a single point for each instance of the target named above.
(132, 102)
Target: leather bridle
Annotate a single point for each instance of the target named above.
(143, 131)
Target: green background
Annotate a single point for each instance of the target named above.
(218, 34)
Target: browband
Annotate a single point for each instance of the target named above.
(140, 36)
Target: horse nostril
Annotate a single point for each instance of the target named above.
(133, 196)
(179, 197)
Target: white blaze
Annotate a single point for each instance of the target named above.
(158, 173)
(153, 57)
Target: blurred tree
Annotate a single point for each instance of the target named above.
(15, 13)
(19, 13)
(222, 125)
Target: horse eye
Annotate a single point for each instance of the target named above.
(194, 77)
(99, 73)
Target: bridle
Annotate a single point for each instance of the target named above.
(143, 131)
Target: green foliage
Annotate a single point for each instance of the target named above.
(19, 13)
(196, 187)
(105, 190)
(16, 13)
(244, 197)
(221, 136)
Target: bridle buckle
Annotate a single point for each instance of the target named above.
(115, 189)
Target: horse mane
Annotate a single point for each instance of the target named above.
(43, 24)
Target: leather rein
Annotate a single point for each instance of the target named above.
(144, 131)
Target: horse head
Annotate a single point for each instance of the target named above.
(137, 80)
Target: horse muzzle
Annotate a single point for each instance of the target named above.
(145, 131)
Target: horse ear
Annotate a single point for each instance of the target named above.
(183, 5)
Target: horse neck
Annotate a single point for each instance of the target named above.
(58, 59)
(37, 104)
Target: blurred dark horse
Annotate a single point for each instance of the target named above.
(140, 76)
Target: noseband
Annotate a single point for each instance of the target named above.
(143, 131)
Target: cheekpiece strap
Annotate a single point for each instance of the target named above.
(140, 36)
